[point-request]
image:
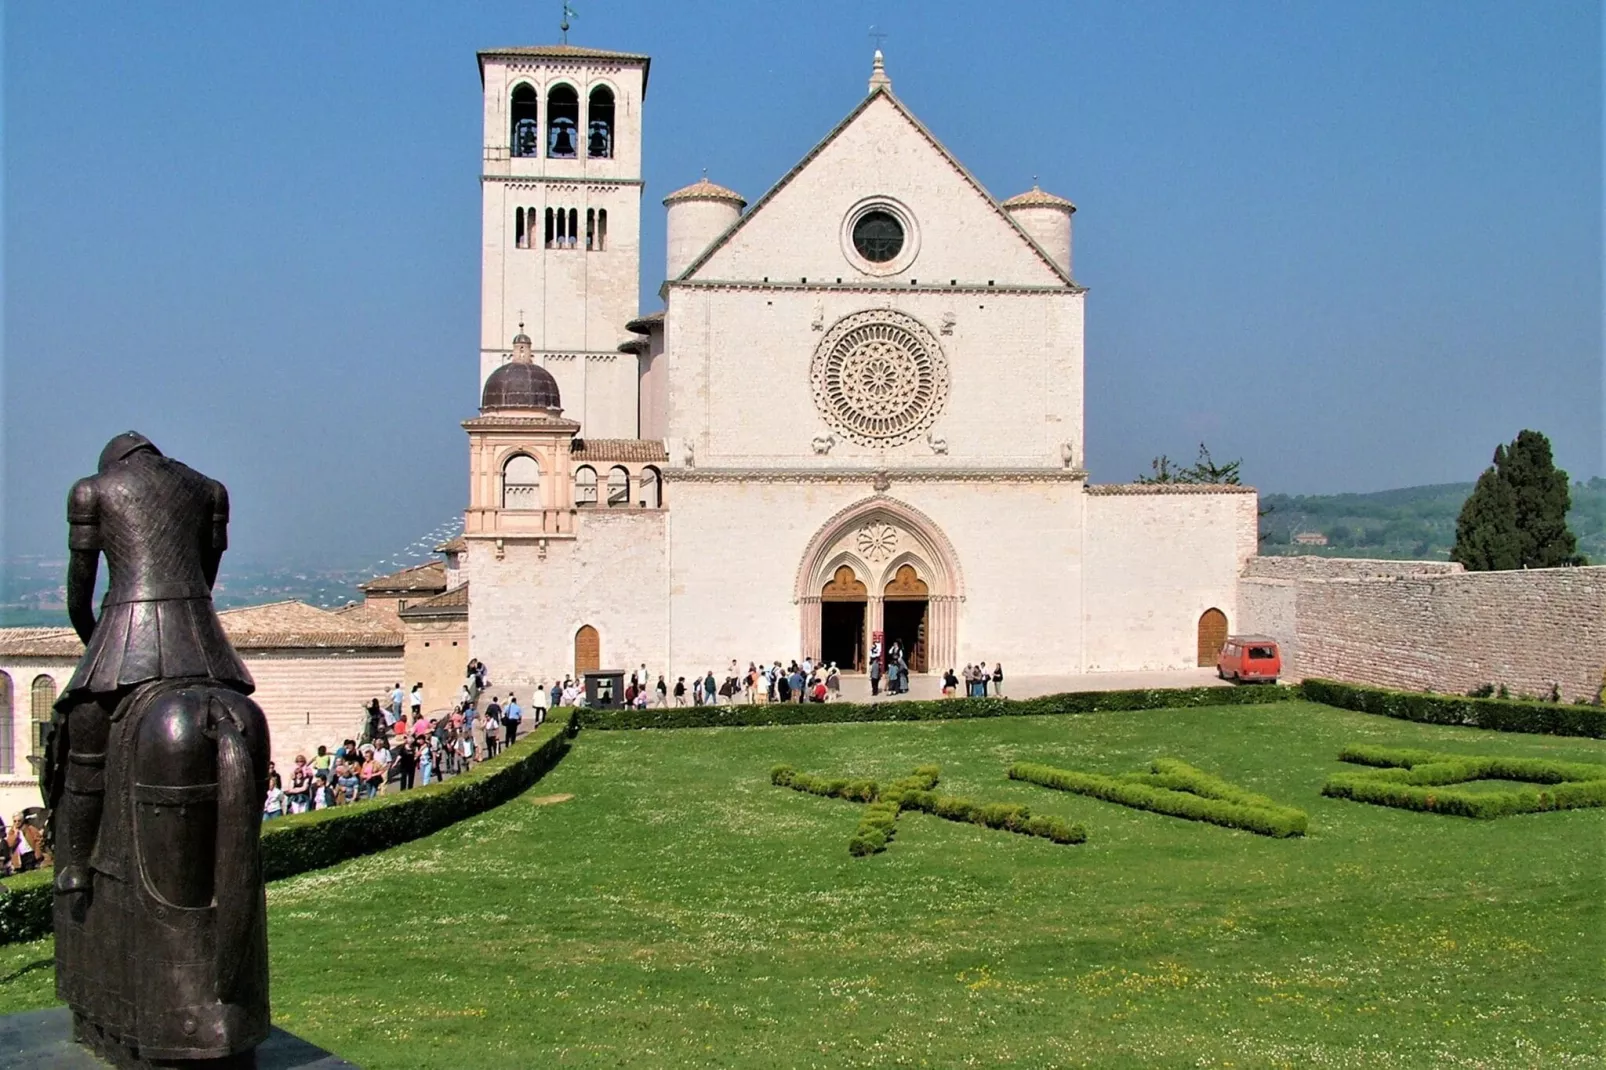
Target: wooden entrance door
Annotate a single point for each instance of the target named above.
(587, 651)
(1212, 636)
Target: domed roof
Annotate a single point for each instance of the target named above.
(704, 190)
(1036, 198)
(520, 384)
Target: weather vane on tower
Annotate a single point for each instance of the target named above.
(568, 13)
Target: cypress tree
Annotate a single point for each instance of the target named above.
(1486, 536)
(1516, 516)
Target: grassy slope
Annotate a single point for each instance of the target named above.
(680, 911)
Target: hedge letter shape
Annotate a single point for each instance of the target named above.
(1424, 780)
(914, 792)
(1176, 789)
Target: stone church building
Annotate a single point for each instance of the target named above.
(859, 411)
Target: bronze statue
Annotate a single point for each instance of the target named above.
(155, 771)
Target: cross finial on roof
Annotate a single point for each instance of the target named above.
(879, 37)
(563, 27)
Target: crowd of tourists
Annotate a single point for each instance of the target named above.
(400, 747)
(799, 680)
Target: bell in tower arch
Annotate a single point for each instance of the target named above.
(562, 139)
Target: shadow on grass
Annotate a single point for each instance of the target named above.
(41, 964)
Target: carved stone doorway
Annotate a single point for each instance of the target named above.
(843, 605)
(906, 601)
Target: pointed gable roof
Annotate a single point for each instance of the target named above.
(878, 92)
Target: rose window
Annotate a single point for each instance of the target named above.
(879, 377)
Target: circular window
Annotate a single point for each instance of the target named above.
(878, 236)
(879, 377)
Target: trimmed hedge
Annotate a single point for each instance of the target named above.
(741, 714)
(322, 838)
(1499, 715)
(1421, 780)
(879, 822)
(1176, 789)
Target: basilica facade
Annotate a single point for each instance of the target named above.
(858, 415)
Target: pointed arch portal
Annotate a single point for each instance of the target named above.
(880, 566)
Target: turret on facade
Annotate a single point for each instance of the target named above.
(1047, 219)
(698, 214)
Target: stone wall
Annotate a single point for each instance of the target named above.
(1435, 627)
(1156, 559)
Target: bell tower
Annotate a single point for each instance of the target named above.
(561, 197)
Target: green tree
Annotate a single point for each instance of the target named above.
(1203, 470)
(1516, 516)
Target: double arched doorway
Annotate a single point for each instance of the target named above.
(880, 570)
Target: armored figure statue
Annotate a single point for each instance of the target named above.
(154, 773)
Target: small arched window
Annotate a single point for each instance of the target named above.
(551, 230)
(591, 228)
(650, 491)
(574, 226)
(585, 486)
(526, 134)
(521, 483)
(599, 125)
(521, 240)
(41, 699)
(602, 228)
(562, 122)
(618, 486)
(8, 746)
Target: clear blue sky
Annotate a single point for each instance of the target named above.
(1355, 244)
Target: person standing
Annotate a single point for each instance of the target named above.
(680, 691)
(398, 698)
(875, 677)
(417, 698)
(998, 679)
(663, 691)
(512, 716)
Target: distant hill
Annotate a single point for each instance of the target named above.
(1411, 522)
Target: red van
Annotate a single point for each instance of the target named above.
(1250, 658)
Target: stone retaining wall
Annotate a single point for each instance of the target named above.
(1420, 626)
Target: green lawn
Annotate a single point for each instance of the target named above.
(681, 911)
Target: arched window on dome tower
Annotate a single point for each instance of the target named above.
(521, 482)
(585, 486)
(562, 122)
(526, 132)
(599, 124)
(618, 486)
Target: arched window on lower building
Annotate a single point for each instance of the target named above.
(8, 743)
(602, 229)
(618, 486)
(585, 486)
(551, 228)
(41, 699)
(521, 483)
(649, 490)
(591, 228)
(574, 227)
(521, 240)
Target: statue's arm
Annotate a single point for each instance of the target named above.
(83, 541)
(220, 532)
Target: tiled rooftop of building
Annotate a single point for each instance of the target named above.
(642, 450)
(430, 577)
(453, 603)
(276, 625)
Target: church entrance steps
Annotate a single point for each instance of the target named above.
(929, 685)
